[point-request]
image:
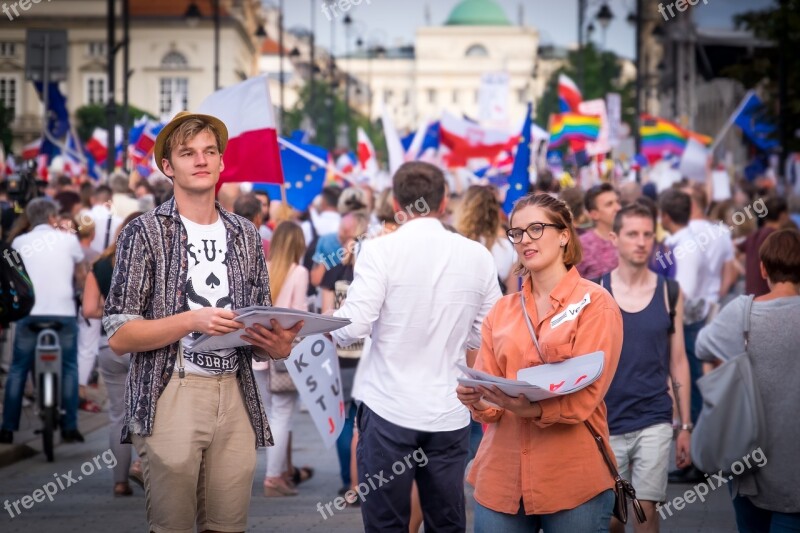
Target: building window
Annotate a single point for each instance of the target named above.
(431, 96)
(477, 50)
(406, 97)
(522, 96)
(387, 95)
(172, 88)
(8, 49)
(8, 93)
(96, 89)
(455, 96)
(97, 49)
(477, 97)
(174, 60)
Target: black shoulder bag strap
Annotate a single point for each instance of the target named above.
(108, 231)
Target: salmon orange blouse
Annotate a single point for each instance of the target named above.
(551, 463)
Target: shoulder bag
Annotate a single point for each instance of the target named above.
(623, 490)
(730, 425)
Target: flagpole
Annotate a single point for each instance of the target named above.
(311, 157)
(729, 122)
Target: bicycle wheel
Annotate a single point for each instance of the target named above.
(49, 429)
(49, 413)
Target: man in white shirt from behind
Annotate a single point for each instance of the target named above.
(421, 293)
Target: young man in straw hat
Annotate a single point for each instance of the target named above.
(195, 418)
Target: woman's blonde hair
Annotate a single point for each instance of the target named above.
(479, 215)
(557, 212)
(287, 247)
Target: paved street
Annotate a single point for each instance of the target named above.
(89, 505)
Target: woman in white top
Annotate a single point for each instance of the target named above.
(288, 283)
(479, 219)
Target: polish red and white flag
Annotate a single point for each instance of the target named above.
(252, 153)
(366, 154)
(469, 140)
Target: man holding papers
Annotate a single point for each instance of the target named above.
(195, 416)
(421, 293)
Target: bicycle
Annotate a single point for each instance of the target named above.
(47, 384)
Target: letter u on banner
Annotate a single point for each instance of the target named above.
(324, 399)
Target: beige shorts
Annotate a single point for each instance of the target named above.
(199, 462)
(643, 459)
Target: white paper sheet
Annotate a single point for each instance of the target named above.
(542, 381)
(249, 316)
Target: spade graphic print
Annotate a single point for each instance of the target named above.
(212, 281)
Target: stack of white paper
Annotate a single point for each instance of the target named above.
(543, 381)
(257, 314)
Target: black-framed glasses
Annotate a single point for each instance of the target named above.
(534, 231)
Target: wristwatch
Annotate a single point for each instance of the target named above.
(687, 427)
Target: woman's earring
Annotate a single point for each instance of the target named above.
(563, 244)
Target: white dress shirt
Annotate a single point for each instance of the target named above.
(50, 256)
(324, 223)
(718, 249)
(692, 272)
(104, 234)
(422, 293)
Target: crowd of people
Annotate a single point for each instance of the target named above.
(431, 277)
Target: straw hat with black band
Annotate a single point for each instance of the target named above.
(180, 118)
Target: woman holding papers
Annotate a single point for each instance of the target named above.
(288, 283)
(538, 465)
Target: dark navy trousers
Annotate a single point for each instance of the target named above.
(391, 457)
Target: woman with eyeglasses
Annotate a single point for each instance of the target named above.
(538, 465)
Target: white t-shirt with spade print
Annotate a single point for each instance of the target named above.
(207, 286)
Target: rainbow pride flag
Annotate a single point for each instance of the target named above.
(661, 137)
(573, 127)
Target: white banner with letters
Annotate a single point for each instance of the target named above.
(314, 367)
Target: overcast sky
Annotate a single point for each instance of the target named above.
(395, 21)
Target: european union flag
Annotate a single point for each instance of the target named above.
(57, 118)
(304, 168)
(519, 180)
(430, 140)
(754, 124)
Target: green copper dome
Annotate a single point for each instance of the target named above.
(477, 13)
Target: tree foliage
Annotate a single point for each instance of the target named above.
(94, 116)
(601, 76)
(318, 111)
(780, 24)
(6, 135)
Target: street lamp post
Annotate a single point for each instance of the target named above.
(280, 56)
(581, 17)
(604, 17)
(348, 22)
(126, 23)
(637, 119)
(111, 109)
(192, 17)
(313, 45)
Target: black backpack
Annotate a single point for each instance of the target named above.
(16, 289)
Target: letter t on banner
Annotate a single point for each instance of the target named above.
(322, 395)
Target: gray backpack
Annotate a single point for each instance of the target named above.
(730, 426)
